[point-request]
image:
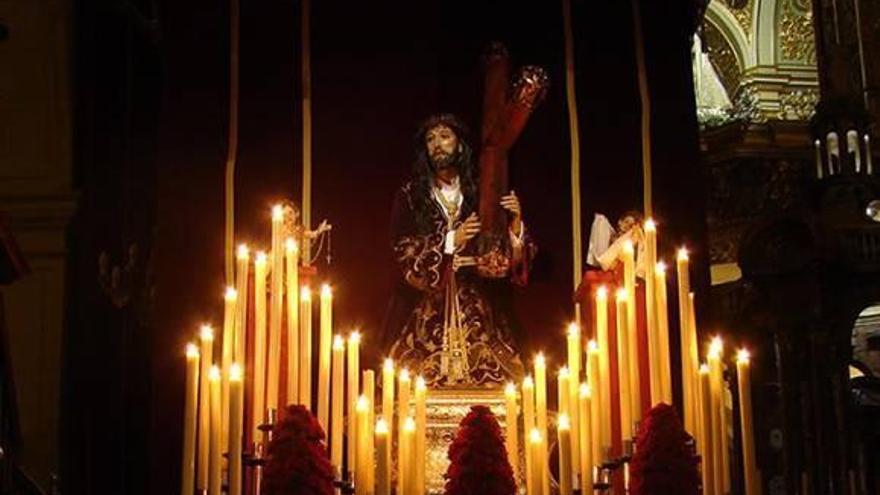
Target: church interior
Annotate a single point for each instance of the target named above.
(329, 247)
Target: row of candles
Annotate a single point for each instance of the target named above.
(853, 150)
(214, 413)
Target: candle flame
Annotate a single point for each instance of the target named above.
(404, 375)
(510, 390)
(683, 254)
(420, 383)
(563, 372)
(563, 422)
(602, 292)
(326, 291)
(540, 360)
(290, 245)
(261, 258)
(354, 338)
(743, 356)
(592, 346)
(409, 425)
(338, 342)
(528, 382)
(584, 391)
(305, 294)
(231, 294)
(628, 246)
(535, 435)
(381, 427)
(214, 373)
(388, 365)
(650, 225)
(622, 294)
(660, 268)
(716, 347)
(235, 373)
(243, 253)
(704, 369)
(573, 330)
(362, 404)
(277, 213)
(192, 351)
(206, 333)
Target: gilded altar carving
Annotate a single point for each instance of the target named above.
(798, 104)
(796, 39)
(743, 12)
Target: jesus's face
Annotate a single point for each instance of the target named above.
(442, 145)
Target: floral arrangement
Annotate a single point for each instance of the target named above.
(664, 461)
(478, 459)
(297, 462)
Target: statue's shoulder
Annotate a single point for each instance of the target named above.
(405, 193)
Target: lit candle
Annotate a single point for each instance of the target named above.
(291, 260)
(383, 454)
(236, 415)
(707, 449)
(853, 147)
(693, 354)
(354, 371)
(511, 419)
(663, 332)
(276, 301)
(229, 298)
(744, 383)
(536, 473)
(624, 382)
(654, 360)
(324, 342)
(368, 385)
(191, 399)
(832, 144)
(717, 413)
(241, 308)
(575, 349)
(337, 395)
(529, 424)
(541, 409)
(206, 338)
(305, 347)
(259, 396)
(630, 331)
(215, 449)
(403, 392)
(869, 166)
(421, 392)
(587, 441)
(688, 371)
(563, 431)
(603, 394)
(388, 402)
(817, 144)
(408, 471)
(563, 379)
(360, 473)
(597, 404)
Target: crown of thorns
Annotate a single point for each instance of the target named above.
(444, 119)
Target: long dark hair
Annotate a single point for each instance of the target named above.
(423, 171)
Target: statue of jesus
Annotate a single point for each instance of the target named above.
(448, 321)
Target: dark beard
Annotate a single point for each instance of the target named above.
(443, 162)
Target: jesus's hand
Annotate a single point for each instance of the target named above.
(511, 204)
(467, 230)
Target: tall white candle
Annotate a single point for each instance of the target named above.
(623, 368)
(563, 431)
(215, 449)
(368, 386)
(707, 448)
(236, 415)
(541, 410)
(630, 330)
(337, 397)
(388, 404)
(536, 450)
(744, 383)
(654, 360)
(717, 413)
(663, 332)
(563, 379)
(227, 352)
(276, 293)
(354, 371)
(597, 405)
(206, 338)
(242, 273)
(688, 371)
(360, 442)
(817, 144)
(853, 145)
(291, 259)
(604, 394)
(869, 164)
(421, 416)
(587, 440)
(305, 347)
(190, 417)
(408, 469)
(575, 352)
(383, 453)
(324, 342)
(529, 425)
(403, 395)
(258, 404)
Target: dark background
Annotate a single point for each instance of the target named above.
(151, 142)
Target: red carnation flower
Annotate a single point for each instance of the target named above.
(664, 462)
(478, 459)
(297, 462)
